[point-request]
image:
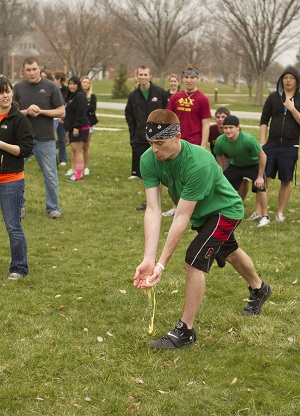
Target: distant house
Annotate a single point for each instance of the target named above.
(30, 44)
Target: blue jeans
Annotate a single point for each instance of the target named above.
(61, 138)
(45, 154)
(11, 194)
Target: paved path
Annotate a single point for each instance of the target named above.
(120, 106)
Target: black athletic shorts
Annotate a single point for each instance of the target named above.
(235, 175)
(215, 240)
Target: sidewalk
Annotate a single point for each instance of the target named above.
(120, 106)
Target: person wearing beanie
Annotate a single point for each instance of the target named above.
(282, 111)
(247, 160)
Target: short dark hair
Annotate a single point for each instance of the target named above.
(60, 76)
(30, 60)
(143, 67)
(222, 110)
(5, 84)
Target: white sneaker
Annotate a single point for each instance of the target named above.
(86, 171)
(70, 172)
(133, 177)
(169, 213)
(254, 217)
(263, 222)
(63, 164)
(280, 217)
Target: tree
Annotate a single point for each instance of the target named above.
(262, 28)
(120, 88)
(157, 27)
(79, 33)
(13, 23)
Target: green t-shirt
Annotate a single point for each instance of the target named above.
(243, 151)
(193, 175)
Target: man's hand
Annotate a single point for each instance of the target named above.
(259, 183)
(147, 275)
(33, 110)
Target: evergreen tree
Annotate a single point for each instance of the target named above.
(120, 88)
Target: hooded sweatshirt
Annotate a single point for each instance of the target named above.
(284, 129)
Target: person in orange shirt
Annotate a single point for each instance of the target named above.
(16, 143)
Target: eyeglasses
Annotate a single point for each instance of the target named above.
(289, 78)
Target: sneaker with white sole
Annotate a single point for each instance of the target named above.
(55, 214)
(179, 337)
(263, 222)
(86, 171)
(257, 298)
(70, 172)
(254, 217)
(16, 276)
(280, 217)
(169, 213)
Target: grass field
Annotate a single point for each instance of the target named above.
(74, 335)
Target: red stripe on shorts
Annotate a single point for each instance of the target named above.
(224, 228)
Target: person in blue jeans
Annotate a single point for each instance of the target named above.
(16, 143)
(41, 101)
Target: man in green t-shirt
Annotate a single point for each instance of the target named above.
(248, 160)
(204, 197)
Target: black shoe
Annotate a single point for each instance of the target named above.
(257, 299)
(142, 207)
(179, 337)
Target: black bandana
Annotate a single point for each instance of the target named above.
(161, 131)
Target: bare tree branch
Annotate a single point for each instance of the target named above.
(261, 28)
(158, 26)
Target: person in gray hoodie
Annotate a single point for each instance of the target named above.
(282, 110)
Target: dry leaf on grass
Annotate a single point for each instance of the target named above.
(99, 339)
(163, 392)
(109, 334)
(139, 381)
(61, 307)
(234, 380)
(123, 291)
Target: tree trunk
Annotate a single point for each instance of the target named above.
(259, 88)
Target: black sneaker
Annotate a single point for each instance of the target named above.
(142, 207)
(179, 337)
(257, 299)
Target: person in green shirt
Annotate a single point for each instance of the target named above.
(247, 160)
(205, 198)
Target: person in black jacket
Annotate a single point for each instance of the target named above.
(282, 107)
(60, 78)
(141, 102)
(16, 143)
(77, 124)
(91, 99)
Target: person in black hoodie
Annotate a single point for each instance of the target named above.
(16, 143)
(77, 124)
(282, 107)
